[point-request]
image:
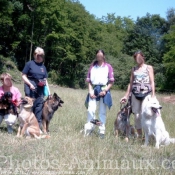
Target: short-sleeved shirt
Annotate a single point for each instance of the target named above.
(16, 93)
(100, 75)
(35, 70)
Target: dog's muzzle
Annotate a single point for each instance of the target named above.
(60, 103)
(23, 101)
(155, 110)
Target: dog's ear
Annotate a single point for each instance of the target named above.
(55, 95)
(57, 98)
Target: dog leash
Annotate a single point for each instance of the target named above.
(35, 90)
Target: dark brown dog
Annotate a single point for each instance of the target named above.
(122, 123)
(7, 105)
(50, 106)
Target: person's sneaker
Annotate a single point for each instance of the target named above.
(101, 136)
(9, 129)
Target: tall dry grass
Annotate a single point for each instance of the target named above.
(68, 152)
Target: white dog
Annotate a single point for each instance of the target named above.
(153, 124)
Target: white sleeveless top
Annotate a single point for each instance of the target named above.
(141, 76)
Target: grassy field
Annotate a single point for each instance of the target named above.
(68, 152)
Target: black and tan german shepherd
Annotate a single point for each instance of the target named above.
(50, 106)
(122, 122)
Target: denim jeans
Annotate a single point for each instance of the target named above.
(37, 108)
(102, 114)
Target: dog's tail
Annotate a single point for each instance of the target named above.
(41, 136)
(172, 140)
(45, 136)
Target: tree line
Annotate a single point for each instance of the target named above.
(70, 36)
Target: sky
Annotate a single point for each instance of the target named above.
(128, 8)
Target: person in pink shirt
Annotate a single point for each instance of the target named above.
(6, 80)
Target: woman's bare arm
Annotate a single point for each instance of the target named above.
(151, 75)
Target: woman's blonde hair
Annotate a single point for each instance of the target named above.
(39, 51)
(3, 75)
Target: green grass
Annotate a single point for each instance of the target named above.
(68, 152)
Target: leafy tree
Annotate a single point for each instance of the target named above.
(171, 16)
(169, 59)
(147, 36)
(114, 32)
(6, 9)
(122, 70)
(70, 36)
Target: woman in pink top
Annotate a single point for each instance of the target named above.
(8, 87)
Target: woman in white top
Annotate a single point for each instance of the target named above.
(141, 77)
(100, 79)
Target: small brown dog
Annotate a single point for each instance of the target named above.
(28, 123)
(50, 106)
(122, 123)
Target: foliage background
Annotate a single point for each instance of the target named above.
(70, 36)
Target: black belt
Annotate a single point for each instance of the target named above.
(32, 79)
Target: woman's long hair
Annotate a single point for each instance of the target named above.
(139, 52)
(95, 61)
